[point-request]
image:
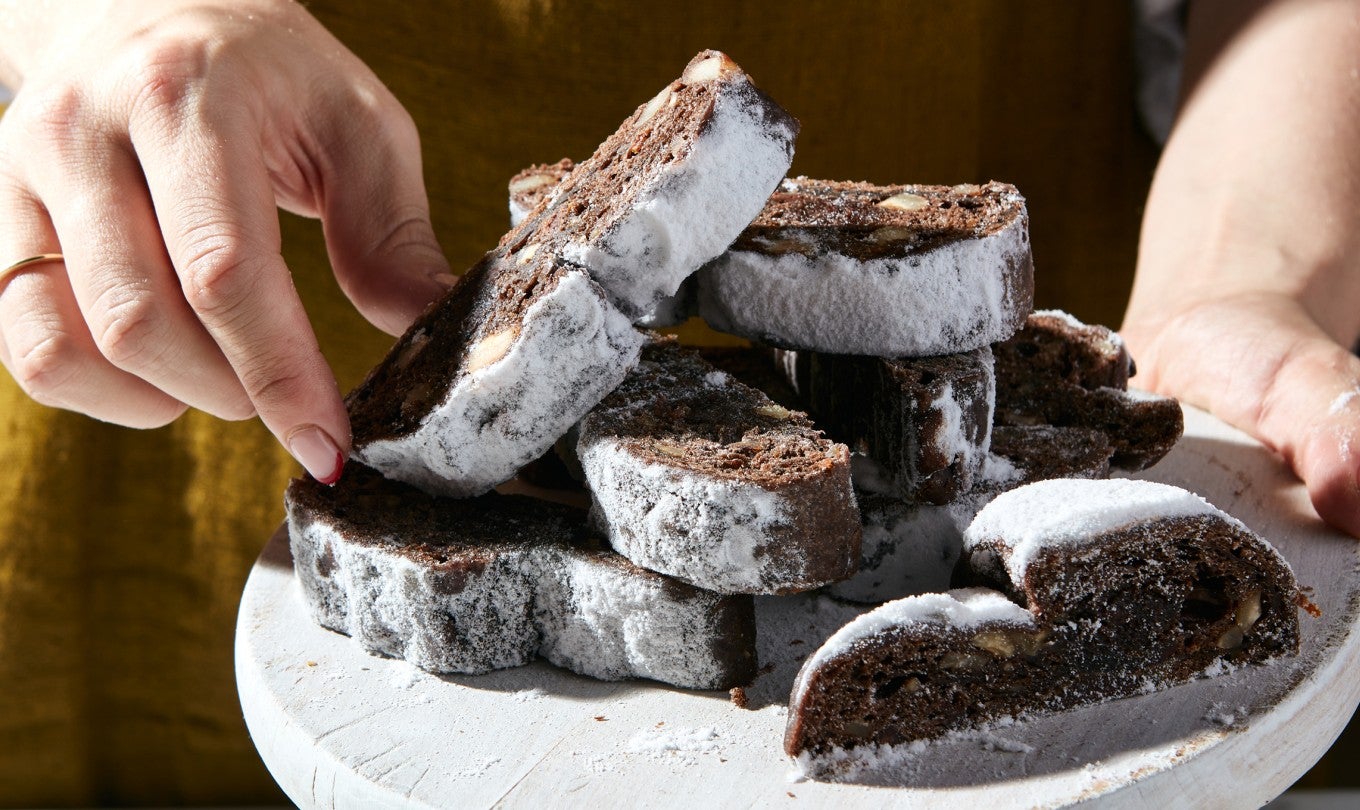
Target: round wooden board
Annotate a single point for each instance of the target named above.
(340, 728)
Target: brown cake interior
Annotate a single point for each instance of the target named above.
(1052, 372)
(1051, 347)
(868, 222)
(920, 681)
(604, 187)
(439, 533)
(472, 326)
(665, 412)
(1163, 602)
(1043, 452)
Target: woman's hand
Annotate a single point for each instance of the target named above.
(150, 143)
(1247, 298)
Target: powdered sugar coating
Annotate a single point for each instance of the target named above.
(962, 609)
(668, 311)
(701, 477)
(613, 622)
(391, 606)
(722, 535)
(587, 611)
(572, 350)
(692, 212)
(1076, 512)
(955, 298)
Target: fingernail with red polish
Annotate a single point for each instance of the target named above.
(318, 453)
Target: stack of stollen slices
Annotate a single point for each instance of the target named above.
(898, 383)
(493, 374)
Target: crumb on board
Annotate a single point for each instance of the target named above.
(738, 696)
(599, 718)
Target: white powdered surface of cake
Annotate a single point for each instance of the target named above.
(717, 534)
(944, 301)
(389, 604)
(693, 211)
(576, 609)
(611, 623)
(572, 350)
(960, 609)
(952, 439)
(1075, 511)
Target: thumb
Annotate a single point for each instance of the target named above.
(376, 217)
(1263, 365)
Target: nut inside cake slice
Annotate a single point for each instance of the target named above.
(702, 478)
(1121, 586)
(854, 268)
(489, 377)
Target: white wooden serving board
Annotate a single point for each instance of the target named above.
(340, 728)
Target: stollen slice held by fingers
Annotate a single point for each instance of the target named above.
(532, 338)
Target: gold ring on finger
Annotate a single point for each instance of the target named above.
(41, 258)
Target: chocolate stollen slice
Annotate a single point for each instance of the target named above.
(926, 421)
(475, 584)
(673, 186)
(699, 477)
(1059, 371)
(1145, 580)
(488, 378)
(1126, 586)
(912, 669)
(854, 268)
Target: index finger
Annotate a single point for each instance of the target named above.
(216, 206)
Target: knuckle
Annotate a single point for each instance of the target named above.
(272, 387)
(130, 334)
(164, 72)
(215, 275)
(57, 113)
(403, 126)
(409, 229)
(46, 367)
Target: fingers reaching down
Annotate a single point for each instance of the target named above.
(224, 245)
(122, 281)
(375, 209)
(44, 341)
